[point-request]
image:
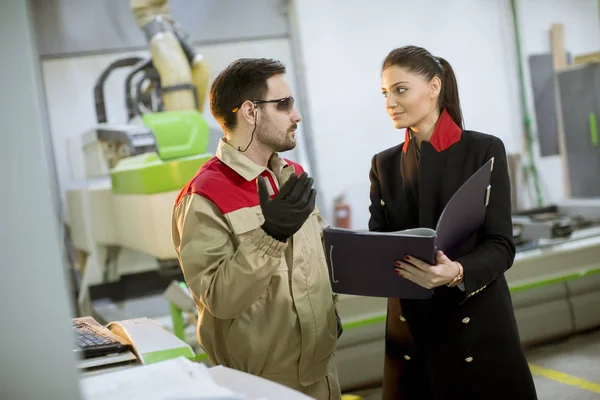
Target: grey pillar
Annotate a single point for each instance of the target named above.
(36, 359)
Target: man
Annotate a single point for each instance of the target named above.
(248, 238)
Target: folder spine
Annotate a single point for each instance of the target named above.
(331, 264)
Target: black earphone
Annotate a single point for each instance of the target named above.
(251, 137)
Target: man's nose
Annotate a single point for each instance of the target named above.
(295, 116)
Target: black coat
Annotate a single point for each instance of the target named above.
(460, 344)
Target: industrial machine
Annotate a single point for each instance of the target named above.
(558, 221)
(120, 220)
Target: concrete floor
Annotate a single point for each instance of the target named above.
(565, 370)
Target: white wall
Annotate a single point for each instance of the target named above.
(69, 84)
(344, 44)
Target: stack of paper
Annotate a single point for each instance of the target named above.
(177, 378)
(252, 386)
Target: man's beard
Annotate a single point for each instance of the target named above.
(278, 141)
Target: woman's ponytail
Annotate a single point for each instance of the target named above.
(449, 96)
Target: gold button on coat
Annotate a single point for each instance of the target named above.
(402, 319)
(466, 320)
(382, 203)
(469, 359)
(407, 358)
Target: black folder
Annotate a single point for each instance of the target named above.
(363, 263)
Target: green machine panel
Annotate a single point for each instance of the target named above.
(182, 138)
(148, 174)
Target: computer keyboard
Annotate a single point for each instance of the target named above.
(91, 343)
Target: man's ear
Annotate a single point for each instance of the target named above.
(435, 87)
(248, 111)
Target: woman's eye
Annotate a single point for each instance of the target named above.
(400, 90)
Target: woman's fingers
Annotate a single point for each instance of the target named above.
(426, 276)
(411, 277)
(417, 263)
(414, 274)
(410, 268)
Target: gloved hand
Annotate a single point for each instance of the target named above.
(287, 212)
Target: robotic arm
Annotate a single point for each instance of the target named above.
(184, 73)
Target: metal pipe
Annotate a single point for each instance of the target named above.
(531, 169)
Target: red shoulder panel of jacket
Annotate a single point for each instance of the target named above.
(224, 187)
(220, 184)
(445, 134)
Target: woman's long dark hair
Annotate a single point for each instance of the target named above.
(420, 61)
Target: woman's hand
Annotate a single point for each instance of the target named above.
(425, 275)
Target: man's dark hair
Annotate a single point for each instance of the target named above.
(244, 79)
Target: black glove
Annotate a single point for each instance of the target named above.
(287, 212)
(340, 328)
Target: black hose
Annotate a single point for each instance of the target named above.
(99, 87)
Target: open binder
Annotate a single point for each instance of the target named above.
(363, 263)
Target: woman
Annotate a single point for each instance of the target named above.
(463, 343)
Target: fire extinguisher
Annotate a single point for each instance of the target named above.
(341, 212)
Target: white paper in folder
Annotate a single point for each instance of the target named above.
(178, 378)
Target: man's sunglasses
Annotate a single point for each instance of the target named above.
(284, 104)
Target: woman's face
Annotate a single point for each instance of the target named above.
(409, 98)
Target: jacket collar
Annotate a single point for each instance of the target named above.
(245, 167)
(445, 134)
